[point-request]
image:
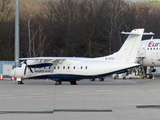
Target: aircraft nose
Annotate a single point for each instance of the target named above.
(11, 74)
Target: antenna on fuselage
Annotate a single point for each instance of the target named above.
(152, 38)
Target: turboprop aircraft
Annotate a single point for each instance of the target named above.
(74, 68)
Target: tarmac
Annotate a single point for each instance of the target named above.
(129, 99)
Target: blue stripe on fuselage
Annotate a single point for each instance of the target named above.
(70, 77)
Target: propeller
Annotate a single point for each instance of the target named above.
(25, 62)
(22, 54)
(61, 53)
(29, 53)
(57, 54)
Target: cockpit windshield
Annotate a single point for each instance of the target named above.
(20, 65)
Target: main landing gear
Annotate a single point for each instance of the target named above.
(149, 70)
(20, 82)
(71, 82)
(58, 83)
(100, 79)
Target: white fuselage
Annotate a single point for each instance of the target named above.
(74, 69)
(150, 52)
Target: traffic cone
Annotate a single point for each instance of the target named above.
(1, 77)
(153, 77)
(14, 82)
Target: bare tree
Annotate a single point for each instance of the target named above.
(7, 30)
(62, 18)
(114, 20)
(36, 36)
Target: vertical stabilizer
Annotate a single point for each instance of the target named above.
(128, 51)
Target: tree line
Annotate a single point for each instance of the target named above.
(78, 27)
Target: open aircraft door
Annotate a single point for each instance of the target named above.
(141, 52)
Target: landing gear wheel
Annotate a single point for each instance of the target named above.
(101, 79)
(73, 83)
(20, 82)
(116, 76)
(149, 76)
(58, 83)
(92, 79)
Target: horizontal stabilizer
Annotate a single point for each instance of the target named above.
(150, 33)
(136, 33)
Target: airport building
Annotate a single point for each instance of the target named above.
(6, 67)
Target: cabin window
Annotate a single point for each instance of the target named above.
(153, 48)
(63, 67)
(68, 67)
(150, 48)
(74, 67)
(81, 67)
(58, 67)
(157, 48)
(54, 67)
(86, 67)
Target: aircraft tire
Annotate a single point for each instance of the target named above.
(92, 79)
(149, 76)
(19, 82)
(101, 79)
(58, 83)
(73, 82)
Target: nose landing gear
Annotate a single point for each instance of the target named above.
(20, 82)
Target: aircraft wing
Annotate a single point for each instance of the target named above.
(46, 59)
(53, 59)
(37, 62)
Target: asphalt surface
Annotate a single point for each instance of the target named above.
(130, 99)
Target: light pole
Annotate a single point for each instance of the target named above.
(17, 34)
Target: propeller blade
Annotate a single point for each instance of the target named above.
(55, 53)
(29, 53)
(22, 54)
(25, 70)
(25, 62)
(31, 70)
(61, 53)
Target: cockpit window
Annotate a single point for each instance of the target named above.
(20, 65)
